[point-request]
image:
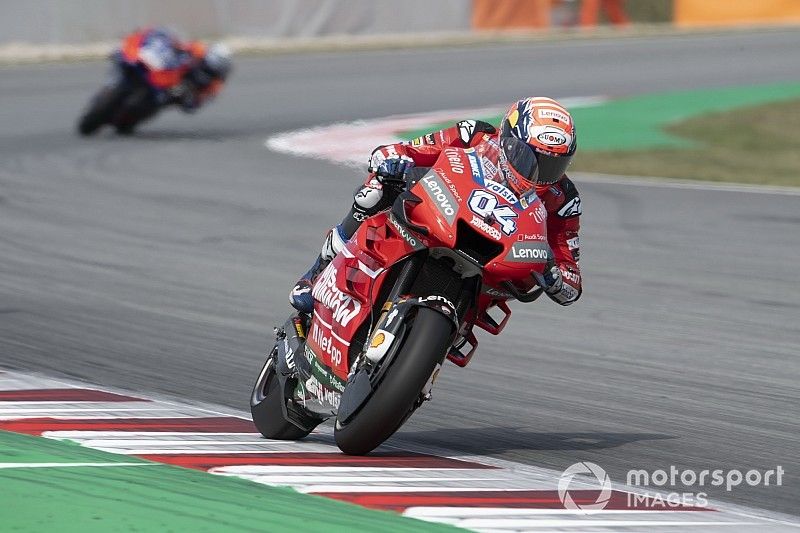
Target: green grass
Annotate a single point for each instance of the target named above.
(162, 498)
(758, 145)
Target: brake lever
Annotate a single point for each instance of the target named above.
(525, 297)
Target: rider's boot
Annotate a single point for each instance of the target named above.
(300, 297)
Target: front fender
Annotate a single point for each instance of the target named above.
(384, 344)
(397, 318)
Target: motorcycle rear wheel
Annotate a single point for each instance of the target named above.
(267, 408)
(393, 401)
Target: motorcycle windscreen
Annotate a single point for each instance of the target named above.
(522, 163)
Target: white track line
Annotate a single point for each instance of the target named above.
(506, 511)
(339, 479)
(80, 435)
(254, 470)
(534, 524)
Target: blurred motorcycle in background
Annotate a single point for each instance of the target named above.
(152, 70)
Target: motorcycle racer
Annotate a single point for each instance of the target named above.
(533, 148)
(200, 70)
(210, 68)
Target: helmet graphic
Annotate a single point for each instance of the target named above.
(218, 60)
(538, 140)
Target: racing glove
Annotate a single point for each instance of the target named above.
(393, 169)
(552, 281)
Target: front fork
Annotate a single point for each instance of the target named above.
(387, 337)
(292, 367)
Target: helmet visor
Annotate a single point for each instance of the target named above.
(522, 161)
(552, 167)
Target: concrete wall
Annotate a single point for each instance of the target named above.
(86, 21)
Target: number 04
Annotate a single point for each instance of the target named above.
(484, 203)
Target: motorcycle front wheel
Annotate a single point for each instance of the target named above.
(394, 399)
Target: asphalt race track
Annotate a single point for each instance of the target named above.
(160, 262)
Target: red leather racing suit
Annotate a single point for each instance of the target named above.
(561, 199)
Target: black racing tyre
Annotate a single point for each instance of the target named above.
(267, 409)
(138, 107)
(101, 110)
(425, 346)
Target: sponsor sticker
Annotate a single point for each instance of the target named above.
(554, 114)
(502, 191)
(486, 228)
(489, 168)
(343, 306)
(437, 298)
(496, 293)
(412, 240)
(531, 237)
(571, 208)
(539, 213)
(552, 138)
(466, 128)
(326, 344)
(574, 243)
(528, 252)
(380, 344)
(475, 166)
(453, 156)
(441, 196)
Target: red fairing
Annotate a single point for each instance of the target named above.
(561, 200)
(457, 197)
(344, 290)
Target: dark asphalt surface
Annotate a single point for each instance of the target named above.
(160, 262)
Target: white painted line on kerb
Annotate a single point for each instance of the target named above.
(185, 436)
(254, 470)
(484, 512)
(71, 465)
(505, 476)
(351, 143)
(536, 524)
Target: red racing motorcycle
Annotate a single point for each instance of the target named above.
(404, 294)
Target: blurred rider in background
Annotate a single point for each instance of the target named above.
(547, 132)
(203, 68)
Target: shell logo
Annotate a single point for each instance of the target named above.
(377, 340)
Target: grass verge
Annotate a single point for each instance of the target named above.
(757, 145)
(43, 489)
